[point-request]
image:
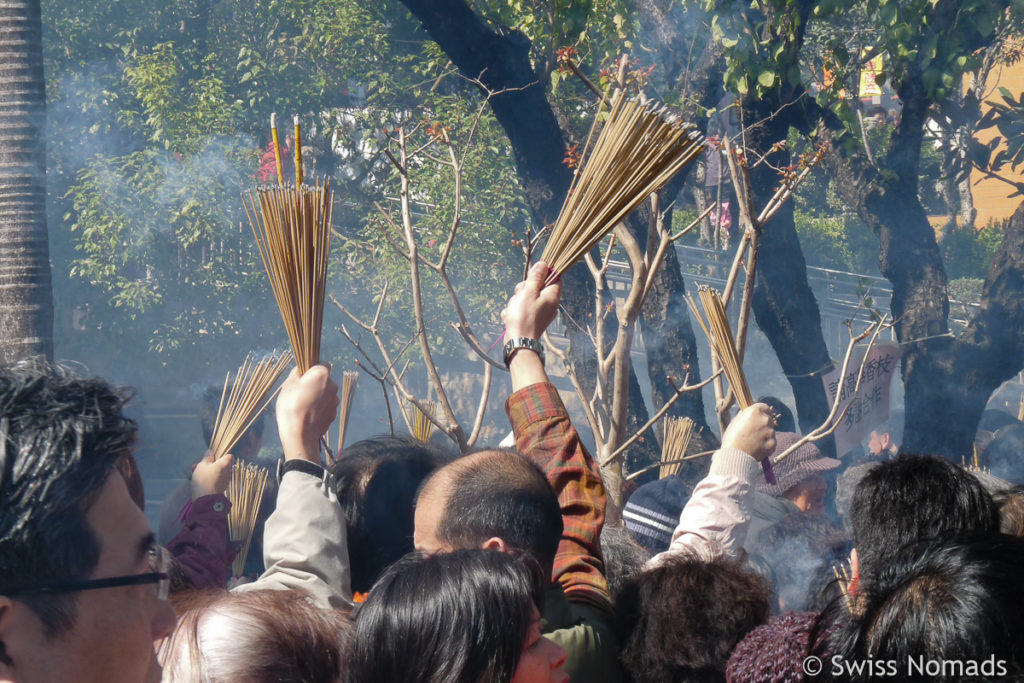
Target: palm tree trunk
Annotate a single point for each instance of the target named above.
(26, 304)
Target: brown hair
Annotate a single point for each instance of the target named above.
(262, 636)
(1011, 510)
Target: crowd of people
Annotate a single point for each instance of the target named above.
(399, 563)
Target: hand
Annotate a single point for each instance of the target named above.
(306, 406)
(752, 431)
(211, 477)
(533, 306)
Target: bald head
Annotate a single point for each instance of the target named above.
(485, 496)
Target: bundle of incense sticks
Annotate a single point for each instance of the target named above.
(245, 491)
(348, 392)
(292, 226)
(675, 440)
(422, 427)
(249, 395)
(716, 329)
(641, 146)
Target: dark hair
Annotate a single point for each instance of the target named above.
(260, 636)
(680, 620)
(914, 497)
(941, 600)
(60, 439)
(376, 481)
(624, 558)
(501, 494)
(893, 426)
(451, 617)
(209, 404)
(786, 422)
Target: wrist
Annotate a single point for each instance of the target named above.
(526, 368)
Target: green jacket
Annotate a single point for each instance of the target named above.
(587, 635)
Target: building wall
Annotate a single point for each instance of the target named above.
(992, 197)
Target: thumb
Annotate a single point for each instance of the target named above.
(226, 461)
(536, 276)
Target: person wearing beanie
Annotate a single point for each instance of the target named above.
(651, 513)
(800, 487)
(713, 523)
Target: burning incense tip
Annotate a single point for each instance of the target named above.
(298, 153)
(277, 148)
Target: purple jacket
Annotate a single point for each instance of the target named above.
(202, 547)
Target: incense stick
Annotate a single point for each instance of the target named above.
(245, 491)
(292, 227)
(843, 579)
(674, 442)
(298, 152)
(640, 148)
(716, 329)
(348, 392)
(250, 393)
(422, 427)
(277, 149)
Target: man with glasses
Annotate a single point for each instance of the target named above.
(83, 585)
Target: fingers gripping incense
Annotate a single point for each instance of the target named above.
(716, 329)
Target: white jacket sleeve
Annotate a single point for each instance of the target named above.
(304, 543)
(714, 521)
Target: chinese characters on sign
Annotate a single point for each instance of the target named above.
(870, 406)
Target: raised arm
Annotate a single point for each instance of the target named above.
(544, 434)
(304, 541)
(201, 547)
(714, 521)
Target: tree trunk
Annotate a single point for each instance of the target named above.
(502, 64)
(26, 302)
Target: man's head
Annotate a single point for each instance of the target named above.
(68, 517)
(884, 440)
(377, 481)
(915, 497)
(491, 499)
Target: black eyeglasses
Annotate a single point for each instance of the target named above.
(159, 564)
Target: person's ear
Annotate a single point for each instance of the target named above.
(886, 439)
(495, 543)
(854, 572)
(6, 628)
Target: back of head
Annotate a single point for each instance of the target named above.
(1011, 510)
(680, 620)
(458, 616)
(501, 494)
(376, 482)
(894, 426)
(60, 438)
(263, 636)
(799, 549)
(940, 610)
(785, 422)
(624, 558)
(914, 497)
